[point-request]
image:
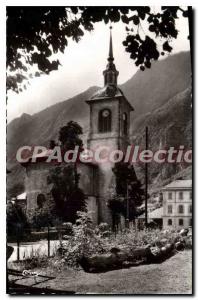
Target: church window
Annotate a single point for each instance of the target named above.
(125, 125)
(104, 120)
(40, 200)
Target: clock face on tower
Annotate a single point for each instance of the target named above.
(105, 113)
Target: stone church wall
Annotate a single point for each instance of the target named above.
(36, 184)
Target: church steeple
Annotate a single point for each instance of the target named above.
(110, 74)
(110, 48)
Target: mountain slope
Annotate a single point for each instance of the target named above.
(147, 91)
(152, 88)
(168, 126)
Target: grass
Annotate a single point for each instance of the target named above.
(171, 277)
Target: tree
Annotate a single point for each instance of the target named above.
(69, 136)
(52, 144)
(68, 197)
(116, 205)
(17, 224)
(69, 139)
(36, 34)
(127, 186)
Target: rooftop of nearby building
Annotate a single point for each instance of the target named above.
(179, 184)
(155, 214)
(22, 196)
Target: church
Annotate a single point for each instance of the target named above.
(110, 115)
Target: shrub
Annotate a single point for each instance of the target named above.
(17, 223)
(68, 228)
(84, 241)
(87, 240)
(103, 227)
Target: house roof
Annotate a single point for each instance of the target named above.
(179, 184)
(21, 196)
(155, 214)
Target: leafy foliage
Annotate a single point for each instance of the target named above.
(87, 241)
(52, 144)
(84, 241)
(35, 34)
(69, 136)
(17, 224)
(67, 196)
(127, 186)
(41, 219)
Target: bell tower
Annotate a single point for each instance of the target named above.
(109, 126)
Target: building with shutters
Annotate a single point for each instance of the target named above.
(177, 204)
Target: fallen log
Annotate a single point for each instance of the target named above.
(124, 258)
(118, 259)
(115, 260)
(179, 246)
(158, 255)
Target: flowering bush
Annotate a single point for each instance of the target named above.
(87, 240)
(84, 241)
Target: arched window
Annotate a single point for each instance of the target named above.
(104, 120)
(40, 200)
(125, 123)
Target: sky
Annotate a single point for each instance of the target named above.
(82, 65)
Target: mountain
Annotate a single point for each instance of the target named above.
(168, 126)
(150, 92)
(152, 88)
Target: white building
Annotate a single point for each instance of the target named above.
(177, 204)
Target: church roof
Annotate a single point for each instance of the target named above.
(107, 91)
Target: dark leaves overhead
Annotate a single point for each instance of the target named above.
(34, 34)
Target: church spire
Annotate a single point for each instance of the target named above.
(110, 47)
(110, 74)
